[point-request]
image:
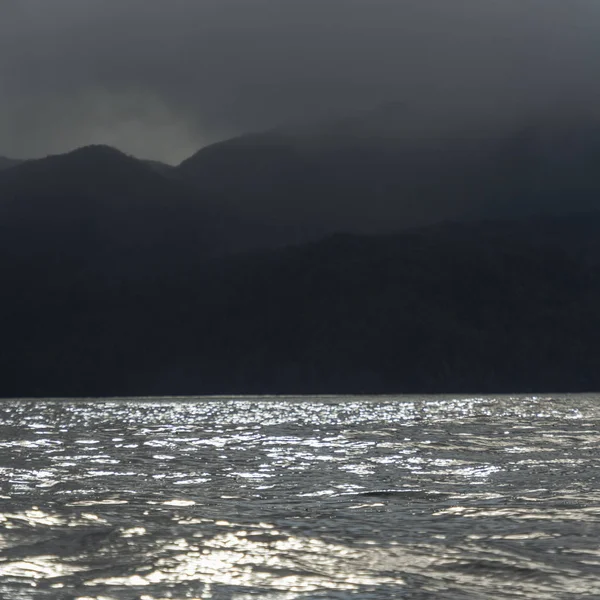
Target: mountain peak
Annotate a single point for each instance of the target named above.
(88, 162)
(97, 149)
(98, 153)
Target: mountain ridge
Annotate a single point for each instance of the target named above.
(351, 181)
(99, 199)
(294, 185)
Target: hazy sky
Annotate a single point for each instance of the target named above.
(161, 78)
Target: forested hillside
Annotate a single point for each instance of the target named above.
(500, 307)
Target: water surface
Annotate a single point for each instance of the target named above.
(300, 498)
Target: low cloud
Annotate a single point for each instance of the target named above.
(160, 79)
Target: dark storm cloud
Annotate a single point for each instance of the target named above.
(162, 77)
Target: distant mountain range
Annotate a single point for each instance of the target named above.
(265, 264)
(353, 175)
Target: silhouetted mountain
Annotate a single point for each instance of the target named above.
(497, 306)
(368, 173)
(7, 163)
(108, 211)
(354, 175)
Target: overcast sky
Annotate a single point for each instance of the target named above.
(161, 78)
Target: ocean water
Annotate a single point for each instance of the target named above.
(434, 497)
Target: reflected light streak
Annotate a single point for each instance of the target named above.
(267, 558)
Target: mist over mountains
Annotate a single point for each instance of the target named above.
(346, 256)
(370, 172)
(355, 175)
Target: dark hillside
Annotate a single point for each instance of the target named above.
(498, 307)
(354, 175)
(108, 210)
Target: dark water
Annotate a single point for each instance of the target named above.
(281, 499)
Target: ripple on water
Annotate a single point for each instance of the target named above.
(295, 498)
